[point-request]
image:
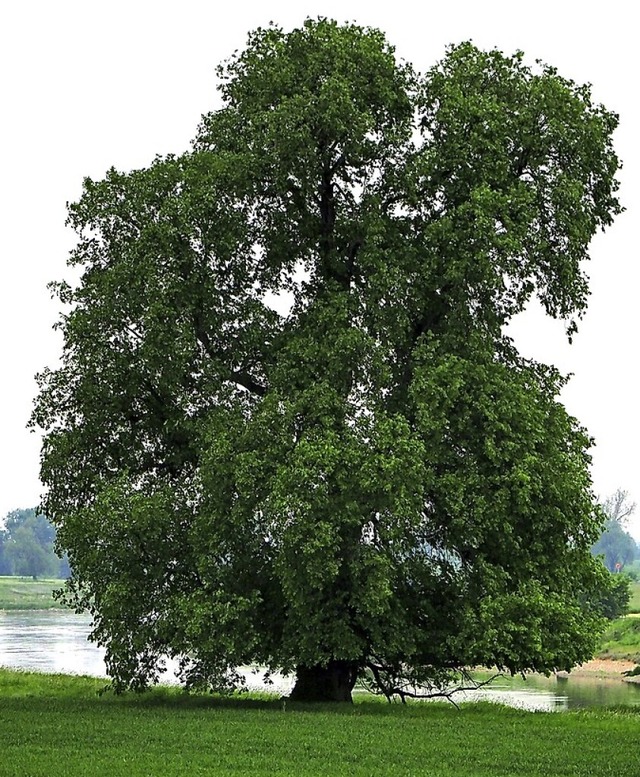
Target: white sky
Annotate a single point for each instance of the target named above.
(86, 85)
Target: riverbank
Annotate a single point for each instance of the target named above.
(59, 726)
(601, 667)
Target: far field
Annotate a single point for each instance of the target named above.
(23, 593)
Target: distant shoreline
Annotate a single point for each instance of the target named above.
(603, 667)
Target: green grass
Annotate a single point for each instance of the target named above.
(621, 640)
(634, 602)
(52, 725)
(22, 593)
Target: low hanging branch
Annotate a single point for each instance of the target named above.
(388, 683)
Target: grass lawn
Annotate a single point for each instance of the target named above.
(634, 602)
(52, 725)
(621, 640)
(23, 593)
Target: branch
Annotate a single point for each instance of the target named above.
(241, 377)
(523, 161)
(391, 687)
(297, 195)
(354, 247)
(339, 162)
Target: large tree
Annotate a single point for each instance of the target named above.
(288, 427)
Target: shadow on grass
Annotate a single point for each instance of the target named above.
(20, 687)
(39, 691)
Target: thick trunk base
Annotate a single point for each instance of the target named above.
(333, 682)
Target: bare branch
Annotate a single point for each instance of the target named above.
(394, 685)
(617, 507)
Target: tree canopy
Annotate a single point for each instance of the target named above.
(288, 427)
(27, 546)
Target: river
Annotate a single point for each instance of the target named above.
(54, 641)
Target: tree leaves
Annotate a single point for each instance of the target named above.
(369, 473)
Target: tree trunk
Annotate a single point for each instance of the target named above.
(333, 682)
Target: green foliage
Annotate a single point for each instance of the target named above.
(633, 570)
(634, 601)
(27, 546)
(288, 428)
(27, 556)
(614, 599)
(59, 727)
(621, 640)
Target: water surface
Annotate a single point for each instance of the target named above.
(49, 641)
(55, 641)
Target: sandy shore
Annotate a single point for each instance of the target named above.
(603, 667)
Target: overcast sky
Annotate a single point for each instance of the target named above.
(86, 85)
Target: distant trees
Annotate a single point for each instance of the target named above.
(617, 549)
(616, 546)
(614, 601)
(27, 546)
